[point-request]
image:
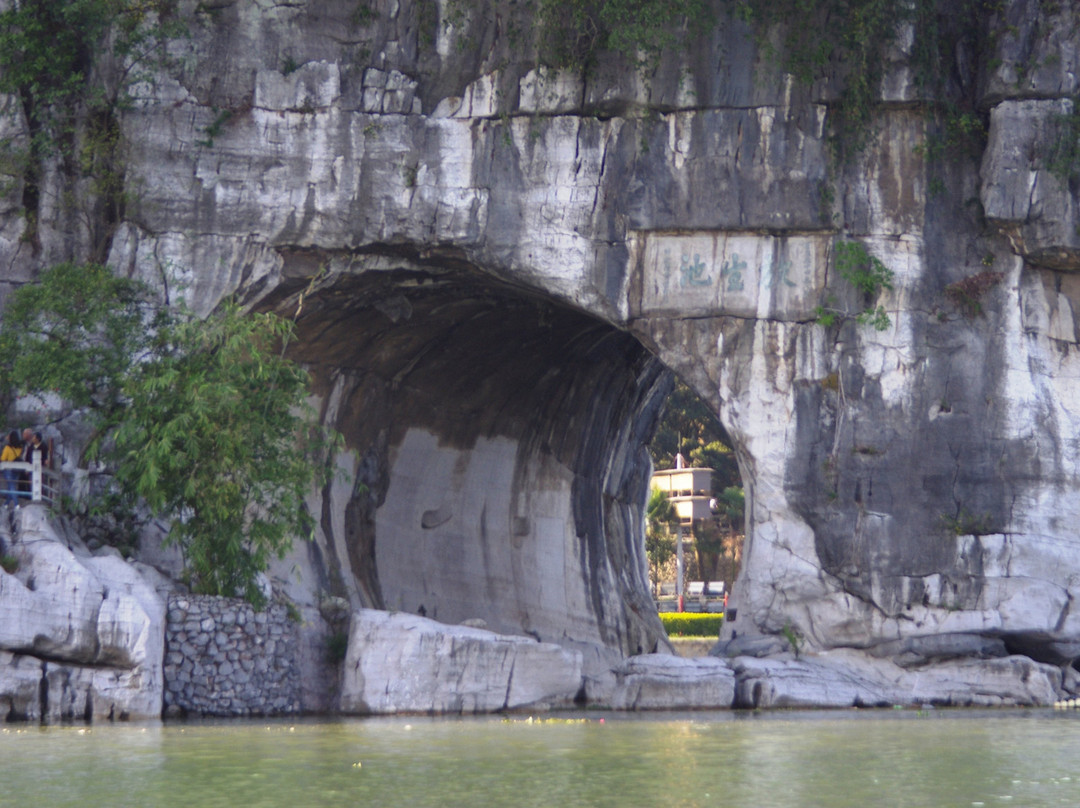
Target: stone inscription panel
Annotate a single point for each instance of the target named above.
(739, 274)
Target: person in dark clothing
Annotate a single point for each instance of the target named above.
(24, 476)
(37, 446)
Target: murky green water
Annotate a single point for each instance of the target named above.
(939, 758)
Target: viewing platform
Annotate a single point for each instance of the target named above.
(44, 483)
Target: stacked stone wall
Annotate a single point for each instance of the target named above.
(223, 658)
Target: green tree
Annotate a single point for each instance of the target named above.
(216, 437)
(731, 507)
(659, 543)
(708, 547)
(76, 333)
(720, 538)
(687, 423)
(719, 457)
(205, 420)
(690, 426)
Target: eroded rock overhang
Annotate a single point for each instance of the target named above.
(496, 441)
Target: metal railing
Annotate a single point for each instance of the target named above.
(44, 482)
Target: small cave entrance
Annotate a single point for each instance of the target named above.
(497, 438)
(711, 519)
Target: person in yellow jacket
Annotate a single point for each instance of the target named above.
(12, 451)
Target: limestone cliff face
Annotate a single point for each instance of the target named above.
(493, 269)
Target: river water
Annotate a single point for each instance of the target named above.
(851, 758)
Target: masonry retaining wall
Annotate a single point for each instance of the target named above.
(223, 658)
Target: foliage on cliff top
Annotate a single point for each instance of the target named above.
(46, 53)
(850, 40)
(846, 42)
(849, 36)
(205, 420)
(573, 32)
(49, 48)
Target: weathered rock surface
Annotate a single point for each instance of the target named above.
(494, 269)
(81, 635)
(401, 663)
(665, 682)
(843, 678)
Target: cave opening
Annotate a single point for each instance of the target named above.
(497, 447)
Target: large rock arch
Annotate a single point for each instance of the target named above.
(497, 448)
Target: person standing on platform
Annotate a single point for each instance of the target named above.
(38, 446)
(11, 453)
(24, 476)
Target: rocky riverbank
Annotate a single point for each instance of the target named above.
(88, 637)
(82, 633)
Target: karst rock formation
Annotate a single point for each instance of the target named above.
(496, 269)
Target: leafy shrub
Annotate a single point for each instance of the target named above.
(337, 646)
(292, 611)
(684, 624)
(862, 270)
(1063, 154)
(869, 276)
(9, 563)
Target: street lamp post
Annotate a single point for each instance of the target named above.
(679, 568)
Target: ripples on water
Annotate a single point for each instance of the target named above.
(835, 759)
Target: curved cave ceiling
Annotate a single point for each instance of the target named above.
(501, 443)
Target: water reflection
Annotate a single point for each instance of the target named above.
(1021, 758)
